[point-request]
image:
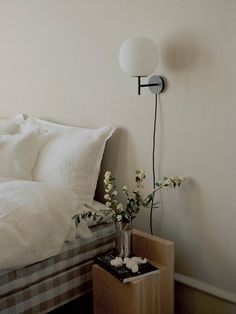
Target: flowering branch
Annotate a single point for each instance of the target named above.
(134, 201)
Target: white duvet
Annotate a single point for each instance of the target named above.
(35, 219)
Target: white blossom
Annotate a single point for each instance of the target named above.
(139, 260)
(141, 174)
(109, 187)
(177, 179)
(114, 193)
(167, 184)
(134, 262)
(108, 204)
(117, 262)
(135, 268)
(107, 174)
(107, 197)
(120, 207)
(132, 265)
(125, 189)
(119, 217)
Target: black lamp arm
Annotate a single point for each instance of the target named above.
(153, 81)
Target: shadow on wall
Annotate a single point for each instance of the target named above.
(193, 216)
(190, 56)
(181, 51)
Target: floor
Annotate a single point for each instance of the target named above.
(83, 305)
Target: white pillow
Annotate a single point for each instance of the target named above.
(11, 126)
(18, 154)
(70, 156)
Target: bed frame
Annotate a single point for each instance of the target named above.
(47, 285)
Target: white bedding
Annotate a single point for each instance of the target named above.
(35, 219)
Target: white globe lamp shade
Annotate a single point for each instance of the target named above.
(138, 56)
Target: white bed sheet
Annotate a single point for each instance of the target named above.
(34, 221)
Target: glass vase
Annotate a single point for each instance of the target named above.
(123, 238)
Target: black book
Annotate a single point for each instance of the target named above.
(123, 273)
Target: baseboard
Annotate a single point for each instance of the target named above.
(207, 288)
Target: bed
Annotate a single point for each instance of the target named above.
(48, 172)
(44, 286)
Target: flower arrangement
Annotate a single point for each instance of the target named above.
(135, 199)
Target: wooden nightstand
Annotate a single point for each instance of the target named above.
(150, 295)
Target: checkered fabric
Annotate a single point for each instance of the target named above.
(41, 287)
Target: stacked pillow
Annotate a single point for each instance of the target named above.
(11, 126)
(57, 154)
(18, 154)
(18, 150)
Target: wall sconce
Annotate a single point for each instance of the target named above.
(138, 57)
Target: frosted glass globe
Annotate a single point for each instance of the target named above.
(138, 56)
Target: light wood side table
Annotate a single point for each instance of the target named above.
(150, 295)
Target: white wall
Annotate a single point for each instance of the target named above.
(59, 60)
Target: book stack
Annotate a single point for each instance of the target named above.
(123, 273)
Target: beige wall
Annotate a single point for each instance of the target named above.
(59, 60)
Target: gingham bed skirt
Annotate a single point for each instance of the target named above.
(44, 286)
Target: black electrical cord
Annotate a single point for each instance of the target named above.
(153, 162)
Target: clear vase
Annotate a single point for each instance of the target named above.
(123, 238)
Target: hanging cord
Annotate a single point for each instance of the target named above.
(153, 162)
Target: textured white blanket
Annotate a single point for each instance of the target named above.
(34, 221)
